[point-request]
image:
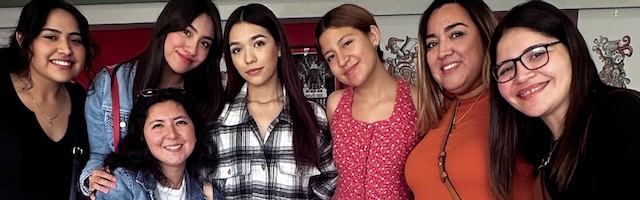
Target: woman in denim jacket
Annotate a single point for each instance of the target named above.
(184, 52)
(164, 152)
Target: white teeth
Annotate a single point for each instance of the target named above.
(60, 62)
(450, 66)
(532, 90)
(175, 147)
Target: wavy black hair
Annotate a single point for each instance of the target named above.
(17, 56)
(133, 152)
(205, 81)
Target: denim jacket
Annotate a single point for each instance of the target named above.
(133, 185)
(99, 115)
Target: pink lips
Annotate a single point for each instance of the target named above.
(526, 93)
(186, 59)
(62, 64)
(350, 71)
(253, 71)
(173, 148)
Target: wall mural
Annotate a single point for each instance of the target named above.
(316, 77)
(612, 53)
(404, 63)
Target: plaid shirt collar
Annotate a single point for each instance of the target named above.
(237, 112)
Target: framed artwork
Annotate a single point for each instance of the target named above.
(316, 77)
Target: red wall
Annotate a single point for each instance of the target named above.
(120, 45)
(116, 46)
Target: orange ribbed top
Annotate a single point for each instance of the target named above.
(467, 161)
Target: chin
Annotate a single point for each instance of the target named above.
(532, 112)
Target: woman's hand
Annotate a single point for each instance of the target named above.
(101, 180)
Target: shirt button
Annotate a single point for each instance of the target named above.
(123, 124)
(229, 172)
(264, 166)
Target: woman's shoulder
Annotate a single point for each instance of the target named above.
(618, 98)
(122, 172)
(75, 89)
(617, 113)
(335, 97)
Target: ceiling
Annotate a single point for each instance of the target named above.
(20, 3)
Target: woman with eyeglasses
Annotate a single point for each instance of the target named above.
(452, 159)
(272, 142)
(43, 130)
(164, 152)
(549, 105)
(184, 52)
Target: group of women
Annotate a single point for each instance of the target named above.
(509, 110)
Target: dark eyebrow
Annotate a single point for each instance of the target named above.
(340, 39)
(175, 118)
(50, 29)
(196, 30)
(448, 28)
(258, 36)
(59, 32)
(252, 38)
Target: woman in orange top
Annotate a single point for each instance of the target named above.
(451, 161)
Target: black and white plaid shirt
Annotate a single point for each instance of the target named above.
(250, 168)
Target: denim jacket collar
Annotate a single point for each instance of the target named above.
(193, 188)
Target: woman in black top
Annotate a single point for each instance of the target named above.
(42, 120)
(549, 105)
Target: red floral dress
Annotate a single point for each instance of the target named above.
(370, 157)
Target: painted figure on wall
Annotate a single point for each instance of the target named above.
(404, 64)
(316, 77)
(612, 53)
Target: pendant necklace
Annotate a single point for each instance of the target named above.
(278, 98)
(50, 118)
(469, 110)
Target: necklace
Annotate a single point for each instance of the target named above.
(33, 99)
(467, 112)
(278, 98)
(49, 117)
(545, 161)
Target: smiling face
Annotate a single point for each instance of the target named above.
(254, 53)
(186, 49)
(169, 134)
(58, 52)
(351, 54)
(543, 92)
(455, 52)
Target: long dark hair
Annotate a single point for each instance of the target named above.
(431, 97)
(16, 57)
(133, 152)
(204, 82)
(305, 125)
(346, 15)
(511, 132)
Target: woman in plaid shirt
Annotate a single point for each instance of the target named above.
(272, 142)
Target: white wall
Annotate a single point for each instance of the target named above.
(4, 36)
(396, 18)
(148, 12)
(614, 24)
(403, 63)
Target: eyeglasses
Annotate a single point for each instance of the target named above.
(533, 58)
(152, 92)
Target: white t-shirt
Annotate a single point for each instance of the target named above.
(167, 193)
